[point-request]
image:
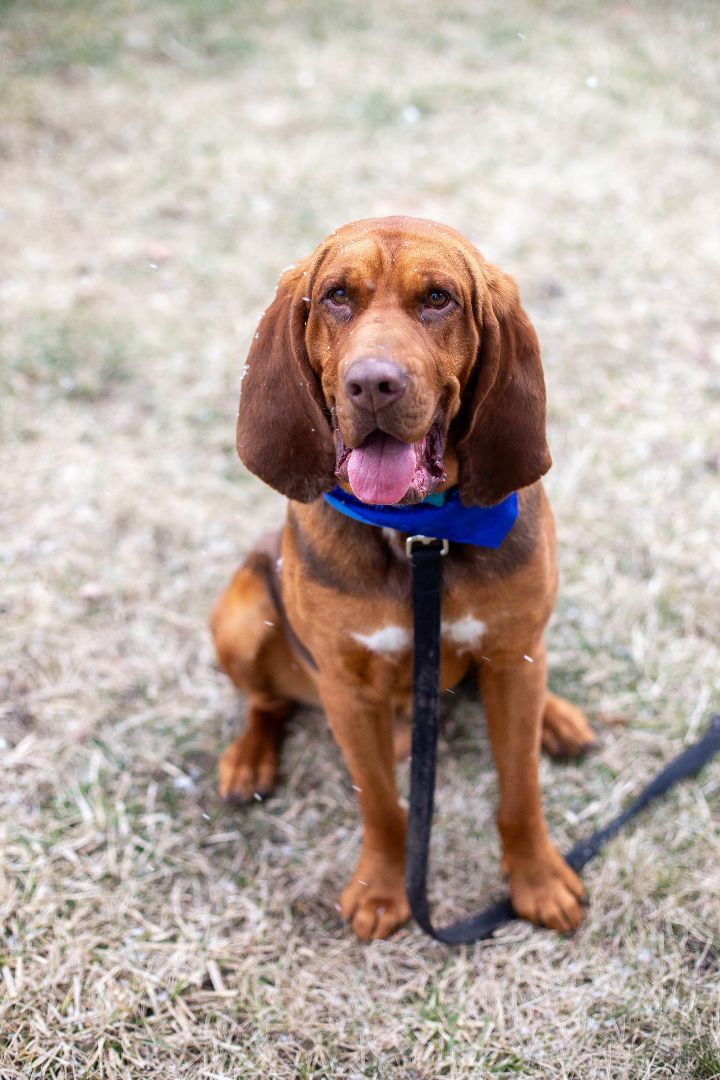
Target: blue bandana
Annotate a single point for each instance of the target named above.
(442, 516)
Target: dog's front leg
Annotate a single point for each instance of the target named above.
(543, 887)
(374, 900)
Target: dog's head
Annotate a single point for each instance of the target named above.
(396, 360)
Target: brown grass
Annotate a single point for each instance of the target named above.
(159, 164)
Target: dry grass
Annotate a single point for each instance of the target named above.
(160, 163)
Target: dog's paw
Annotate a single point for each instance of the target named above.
(565, 731)
(374, 901)
(248, 768)
(546, 891)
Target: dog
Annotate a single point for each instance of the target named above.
(395, 364)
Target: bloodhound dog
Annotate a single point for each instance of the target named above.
(397, 363)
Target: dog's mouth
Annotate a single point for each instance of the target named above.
(384, 470)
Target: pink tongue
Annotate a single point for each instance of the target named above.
(382, 469)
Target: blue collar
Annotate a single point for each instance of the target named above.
(484, 526)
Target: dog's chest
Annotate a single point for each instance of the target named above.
(462, 634)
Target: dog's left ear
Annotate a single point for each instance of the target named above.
(503, 447)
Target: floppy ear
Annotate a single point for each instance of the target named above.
(283, 428)
(503, 447)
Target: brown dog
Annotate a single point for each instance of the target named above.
(396, 360)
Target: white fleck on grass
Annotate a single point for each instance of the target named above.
(10, 984)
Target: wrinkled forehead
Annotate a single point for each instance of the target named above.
(373, 256)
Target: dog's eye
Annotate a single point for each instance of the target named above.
(437, 299)
(339, 297)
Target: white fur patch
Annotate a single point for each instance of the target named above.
(395, 542)
(388, 639)
(465, 631)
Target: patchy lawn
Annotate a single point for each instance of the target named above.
(160, 163)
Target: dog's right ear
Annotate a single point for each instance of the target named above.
(284, 434)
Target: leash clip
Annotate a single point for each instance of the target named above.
(425, 541)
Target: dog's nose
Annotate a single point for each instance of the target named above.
(372, 383)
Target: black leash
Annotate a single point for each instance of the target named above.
(426, 557)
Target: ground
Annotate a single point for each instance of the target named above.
(160, 163)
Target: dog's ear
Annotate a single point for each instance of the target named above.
(283, 430)
(502, 445)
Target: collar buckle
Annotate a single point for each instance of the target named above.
(425, 541)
